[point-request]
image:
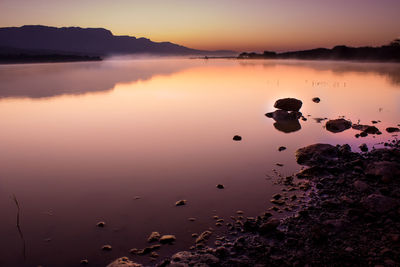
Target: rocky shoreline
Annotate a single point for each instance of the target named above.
(345, 211)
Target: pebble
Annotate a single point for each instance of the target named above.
(237, 138)
(167, 239)
(180, 202)
(106, 248)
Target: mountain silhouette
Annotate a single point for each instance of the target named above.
(85, 41)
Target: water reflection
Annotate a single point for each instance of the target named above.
(50, 80)
(389, 70)
(285, 121)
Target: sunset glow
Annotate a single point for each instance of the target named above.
(237, 25)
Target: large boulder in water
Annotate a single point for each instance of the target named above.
(316, 154)
(338, 125)
(288, 104)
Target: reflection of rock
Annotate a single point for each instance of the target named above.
(287, 126)
(338, 125)
(315, 154)
(286, 122)
(288, 104)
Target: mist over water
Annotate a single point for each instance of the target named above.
(121, 141)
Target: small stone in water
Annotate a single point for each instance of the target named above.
(154, 236)
(192, 219)
(106, 248)
(84, 262)
(101, 224)
(316, 99)
(239, 212)
(220, 186)
(237, 138)
(281, 148)
(180, 202)
(167, 239)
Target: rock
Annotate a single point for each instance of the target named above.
(392, 130)
(154, 236)
(377, 203)
(237, 138)
(366, 129)
(220, 186)
(316, 100)
(338, 125)
(270, 225)
(167, 239)
(315, 154)
(186, 258)
(360, 186)
(124, 262)
(363, 147)
(203, 237)
(84, 262)
(106, 248)
(281, 148)
(180, 202)
(191, 219)
(386, 170)
(288, 104)
(101, 224)
(277, 196)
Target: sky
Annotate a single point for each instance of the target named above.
(240, 25)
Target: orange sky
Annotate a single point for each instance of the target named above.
(252, 25)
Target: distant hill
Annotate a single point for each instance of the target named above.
(385, 53)
(85, 41)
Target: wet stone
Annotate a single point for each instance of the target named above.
(281, 148)
(180, 202)
(124, 262)
(288, 104)
(392, 130)
(220, 186)
(338, 125)
(316, 99)
(363, 147)
(237, 138)
(84, 262)
(106, 248)
(154, 236)
(101, 224)
(167, 239)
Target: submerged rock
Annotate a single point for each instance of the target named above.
(281, 148)
(220, 186)
(167, 239)
(338, 125)
(315, 154)
(124, 262)
(288, 104)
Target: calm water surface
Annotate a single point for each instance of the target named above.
(121, 141)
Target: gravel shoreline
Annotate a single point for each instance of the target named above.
(346, 211)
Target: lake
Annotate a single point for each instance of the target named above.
(122, 140)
